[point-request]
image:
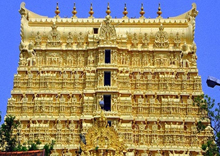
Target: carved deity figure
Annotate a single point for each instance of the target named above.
(184, 56)
(69, 40)
(59, 125)
(114, 103)
(114, 78)
(161, 38)
(22, 60)
(80, 40)
(100, 79)
(54, 37)
(177, 41)
(134, 41)
(189, 100)
(38, 39)
(80, 60)
(193, 60)
(145, 40)
(107, 32)
(90, 59)
(71, 125)
(145, 59)
(31, 54)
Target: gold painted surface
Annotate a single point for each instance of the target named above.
(154, 79)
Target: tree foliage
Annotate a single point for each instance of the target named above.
(9, 138)
(48, 148)
(209, 110)
(8, 135)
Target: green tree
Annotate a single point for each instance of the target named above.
(48, 148)
(8, 139)
(209, 110)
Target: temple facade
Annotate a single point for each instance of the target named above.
(143, 70)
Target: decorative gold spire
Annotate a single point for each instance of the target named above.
(159, 12)
(57, 11)
(142, 10)
(91, 12)
(108, 10)
(74, 10)
(125, 11)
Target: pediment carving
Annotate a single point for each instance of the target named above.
(102, 137)
(107, 33)
(54, 37)
(161, 38)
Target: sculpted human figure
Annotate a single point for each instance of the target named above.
(177, 40)
(69, 40)
(194, 59)
(145, 40)
(114, 103)
(80, 40)
(22, 60)
(31, 54)
(90, 59)
(100, 80)
(38, 39)
(161, 38)
(114, 78)
(134, 41)
(59, 125)
(184, 56)
(53, 37)
(107, 32)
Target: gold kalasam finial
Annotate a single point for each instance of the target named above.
(91, 12)
(108, 10)
(142, 10)
(74, 12)
(159, 12)
(125, 11)
(57, 11)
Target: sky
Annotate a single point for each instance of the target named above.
(207, 34)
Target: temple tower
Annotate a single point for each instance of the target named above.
(143, 69)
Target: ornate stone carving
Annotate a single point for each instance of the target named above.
(31, 60)
(54, 37)
(38, 40)
(161, 38)
(22, 60)
(134, 41)
(69, 40)
(107, 33)
(91, 59)
(102, 136)
(177, 41)
(57, 89)
(184, 56)
(145, 40)
(80, 40)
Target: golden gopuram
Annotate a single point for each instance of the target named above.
(109, 86)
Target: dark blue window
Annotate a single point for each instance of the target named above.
(107, 56)
(107, 78)
(107, 102)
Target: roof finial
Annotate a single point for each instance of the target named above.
(91, 12)
(57, 11)
(125, 11)
(74, 10)
(159, 12)
(108, 10)
(142, 10)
